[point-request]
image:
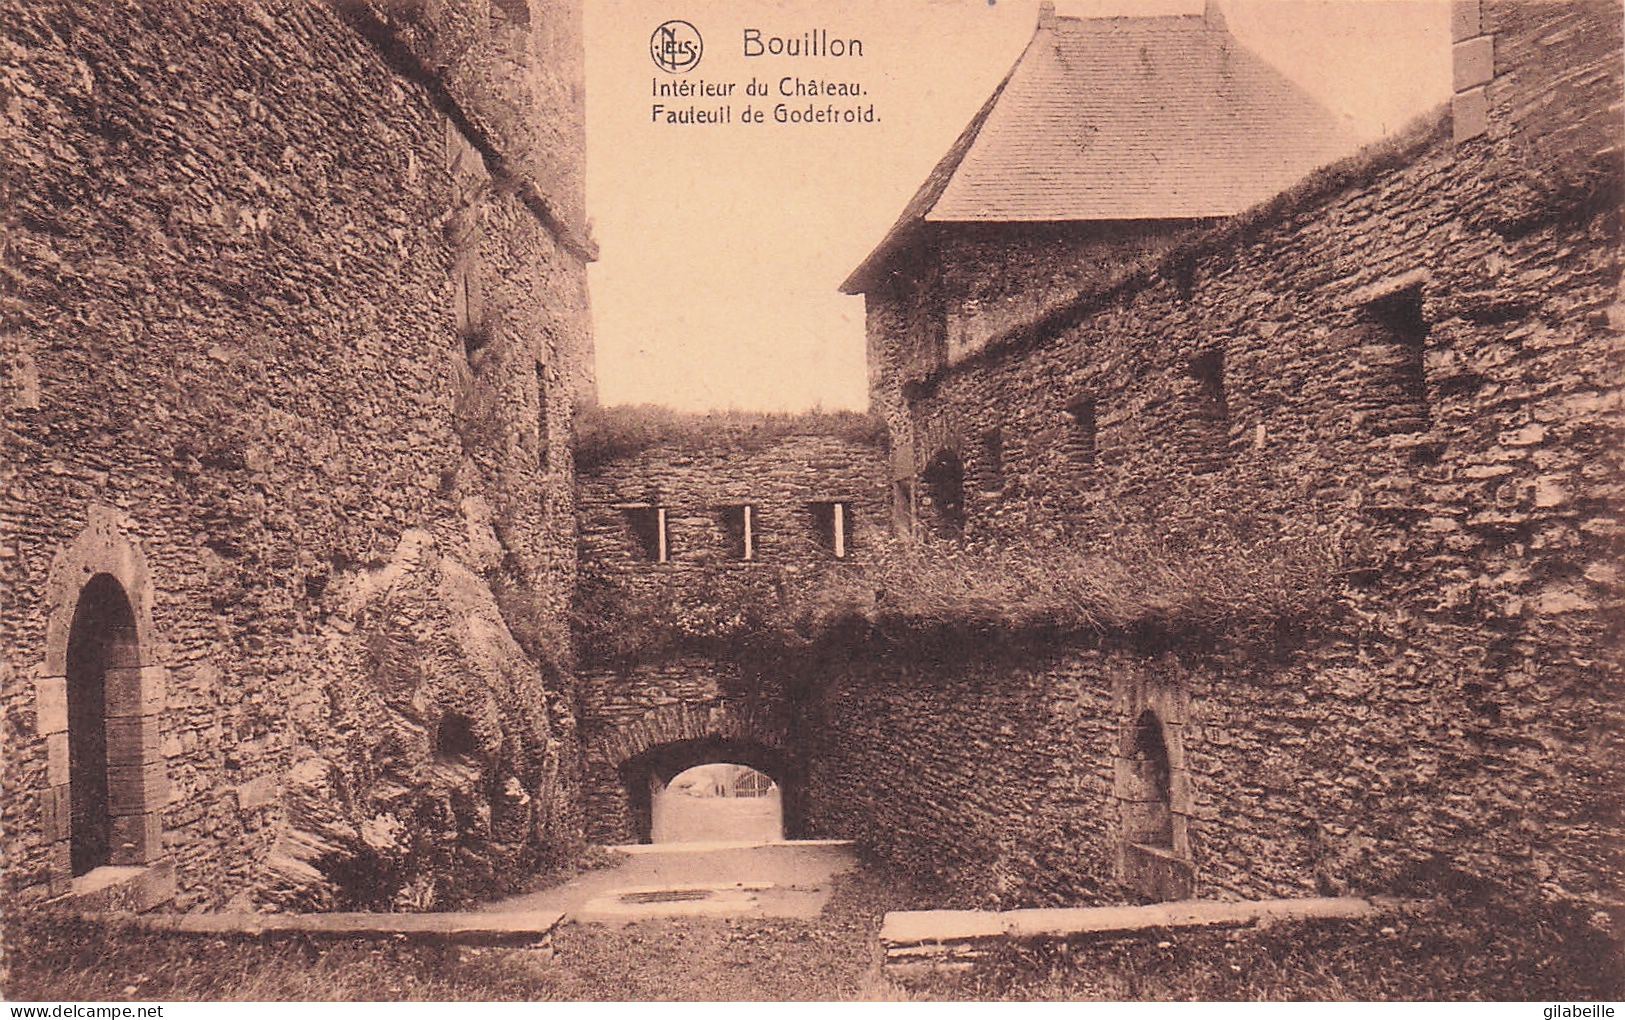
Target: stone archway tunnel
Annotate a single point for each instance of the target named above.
(628, 766)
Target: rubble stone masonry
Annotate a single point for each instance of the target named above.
(713, 697)
(294, 314)
(1417, 354)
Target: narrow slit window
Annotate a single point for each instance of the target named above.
(647, 524)
(740, 524)
(832, 522)
(470, 307)
(1207, 369)
(1081, 416)
(543, 451)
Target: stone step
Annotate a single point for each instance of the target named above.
(458, 927)
(951, 939)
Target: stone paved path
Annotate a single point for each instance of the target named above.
(779, 879)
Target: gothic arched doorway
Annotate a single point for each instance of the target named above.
(102, 637)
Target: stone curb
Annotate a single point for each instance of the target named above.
(466, 927)
(954, 940)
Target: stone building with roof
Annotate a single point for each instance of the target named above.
(1108, 139)
(1124, 330)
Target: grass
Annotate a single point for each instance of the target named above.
(610, 433)
(1139, 580)
(55, 958)
(1455, 952)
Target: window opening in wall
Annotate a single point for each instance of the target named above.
(944, 480)
(1081, 416)
(1207, 369)
(1393, 341)
(647, 523)
(740, 523)
(476, 335)
(1184, 277)
(455, 737)
(993, 460)
(832, 522)
(1147, 817)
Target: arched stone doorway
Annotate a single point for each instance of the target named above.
(97, 705)
(626, 762)
(101, 641)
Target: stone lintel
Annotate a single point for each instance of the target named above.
(455, 927)
(1387, 287)
(924, 927)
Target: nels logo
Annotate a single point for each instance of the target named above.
(676, 47)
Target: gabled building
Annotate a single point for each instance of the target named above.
(1107, 139)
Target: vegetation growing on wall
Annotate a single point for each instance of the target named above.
(1145, 580)
(608, 433)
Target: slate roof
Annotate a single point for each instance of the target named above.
(1123, 119)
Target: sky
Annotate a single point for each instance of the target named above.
(722, 245)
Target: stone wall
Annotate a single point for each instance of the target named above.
(291, 340)
(1415, 356)
(669, 662)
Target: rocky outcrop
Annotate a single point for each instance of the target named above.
(430, 773)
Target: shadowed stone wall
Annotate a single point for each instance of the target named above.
(295, 309)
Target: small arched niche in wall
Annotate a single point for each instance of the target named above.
(1152, 809)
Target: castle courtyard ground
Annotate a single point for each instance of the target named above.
(814, 938)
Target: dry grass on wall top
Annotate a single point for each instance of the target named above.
(604, 434)
(1142, 582)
